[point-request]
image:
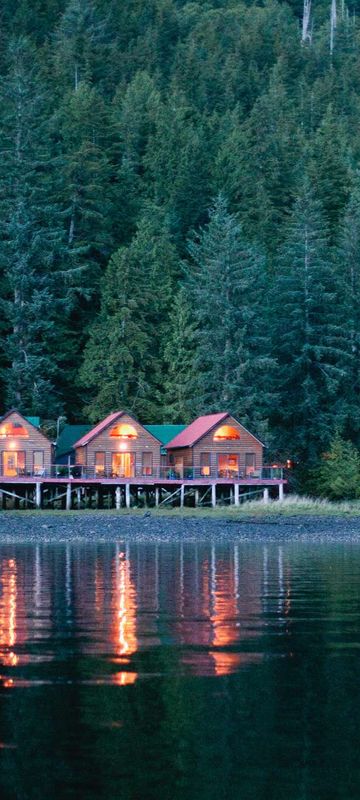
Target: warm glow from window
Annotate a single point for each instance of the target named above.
(226, 434)
(124, 431)
(13, 429)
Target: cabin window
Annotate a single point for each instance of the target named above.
(13, 429)
(80, 456)
(226, 433)
(147, 463)
(228, 465)
(13, 463)
(124, 431)
(123, 465)
(250, 463)
(38, 462)
(99, 463)
(205, 465)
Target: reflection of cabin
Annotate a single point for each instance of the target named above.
(216, 445)
(24, 449)
(119, 446)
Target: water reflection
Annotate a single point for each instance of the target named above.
(188, 671)
(113, 603)
(8, 610)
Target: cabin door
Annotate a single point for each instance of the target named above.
(123, 465)
(13, 463)
(228, 465)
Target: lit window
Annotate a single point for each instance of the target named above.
(13, 429)
(124, 431)
(227, 433)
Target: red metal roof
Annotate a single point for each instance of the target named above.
(98, 428)
(196, 430)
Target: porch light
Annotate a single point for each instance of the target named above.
(12, 445)
(122, 446)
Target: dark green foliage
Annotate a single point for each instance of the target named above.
(338, 474)
(120, 123)
(309, 344)
(179, 358)
(226, 281)
(31, 239)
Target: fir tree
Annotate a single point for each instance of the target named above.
(31, 242)
(226, 279)
(308, 334)
(348, 266)
(179, 360)
(117, 359)
(338, 474)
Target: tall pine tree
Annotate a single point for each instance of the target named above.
(309, 340)
(226, 278)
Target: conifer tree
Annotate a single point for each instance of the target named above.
(122, 363)
(348, 266)
(226, 278)
(309, 341)
(337, 476)
(179, 360)
(117, 359)
(31, 240)
(76, 43)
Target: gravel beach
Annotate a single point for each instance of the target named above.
(100, 526)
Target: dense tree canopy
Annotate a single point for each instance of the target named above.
(180, 213)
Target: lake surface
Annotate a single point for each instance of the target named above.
(192, 671)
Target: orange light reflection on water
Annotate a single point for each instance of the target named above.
(8, 606)
(124, 633)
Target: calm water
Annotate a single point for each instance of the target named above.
(180, 671)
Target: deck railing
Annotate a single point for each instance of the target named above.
(168, 473)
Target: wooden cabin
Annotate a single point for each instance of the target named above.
(24, 449)
(118, 447)
(215, 445)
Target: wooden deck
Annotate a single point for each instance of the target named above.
(68, 492)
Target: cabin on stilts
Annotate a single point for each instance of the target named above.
(120, 461)
(118, 447)
(24, 448)
(217, 446)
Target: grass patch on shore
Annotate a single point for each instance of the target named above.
(291, 506)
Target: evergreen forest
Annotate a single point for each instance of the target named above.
(180, 213)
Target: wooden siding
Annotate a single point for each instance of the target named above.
(107, 444)
(36, 441)
(246, 444)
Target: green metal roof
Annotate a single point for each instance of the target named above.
(68, 436)
(164, 432)
(34, 421)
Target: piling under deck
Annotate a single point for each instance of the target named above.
(77, 493)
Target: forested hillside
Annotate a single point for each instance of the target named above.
(180, 213)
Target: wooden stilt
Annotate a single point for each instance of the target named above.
(182, 495)
(68, 496)
(266, 495)
(213, 495)
(156, 496)
(38, 495)
(236, 494)
(127, 495)
(78, 497)
(197, 495)
(118, 498)
(281, 491)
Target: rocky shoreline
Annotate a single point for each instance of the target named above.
(102, 527)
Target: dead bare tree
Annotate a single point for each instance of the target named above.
(306, 32)
(333, 21)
